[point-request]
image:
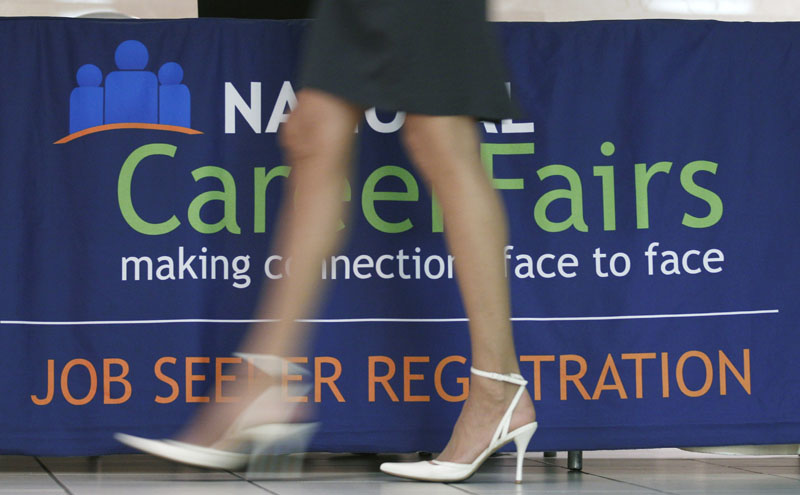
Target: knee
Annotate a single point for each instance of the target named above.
(434, 149)
(321, 126)
(420, 145)
(301, 137)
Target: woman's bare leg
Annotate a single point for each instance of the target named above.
(318, 143)
(446, 152)
(318, 140)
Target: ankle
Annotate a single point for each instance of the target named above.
(486, 390)
(505, 367)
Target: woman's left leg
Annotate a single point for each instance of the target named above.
(446, 152)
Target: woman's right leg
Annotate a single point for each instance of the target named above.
(446, 151)
(318, 143)
(317, 140)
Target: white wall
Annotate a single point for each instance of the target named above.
(501, 10)
(163, 9)
(579, 10)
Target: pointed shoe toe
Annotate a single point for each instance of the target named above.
(185, 453)
(442, 472)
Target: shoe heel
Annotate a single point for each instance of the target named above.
(279, 449)
(521, 441)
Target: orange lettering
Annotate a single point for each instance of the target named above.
(408, 377)
(50, 385)
(383, 380)
(464, 381)
(638, 358)
(576, 378)
(742, 378)
(537, 372)
(108, 380)
(92, 382)
(601, 385)
(221, 377)
(665, 375)
(330, 381)
(169, 381)
(679, 374)
(191, 378)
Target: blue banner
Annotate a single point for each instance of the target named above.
(651, 185)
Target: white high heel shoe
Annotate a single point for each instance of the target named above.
(245, 438)
(453, 471)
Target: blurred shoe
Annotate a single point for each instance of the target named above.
(246, 437)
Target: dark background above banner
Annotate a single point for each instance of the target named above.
(262, 9)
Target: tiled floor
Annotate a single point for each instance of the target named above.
(671, 472)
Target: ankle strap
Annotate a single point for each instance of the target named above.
(510, 378)
(505, 422)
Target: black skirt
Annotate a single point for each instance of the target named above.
(433, 57)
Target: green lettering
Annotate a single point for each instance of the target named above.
(574, 194)
(643, 176)
(260, 183)
(488, 152)
(227, 196)
(124, 199)
(609, 196)
(370, 196)
(437, 218)
(714, 202)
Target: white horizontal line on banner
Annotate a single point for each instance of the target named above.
(393, 320)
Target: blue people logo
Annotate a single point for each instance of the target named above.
(132, 97)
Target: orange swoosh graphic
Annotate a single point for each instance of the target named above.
(111, 127)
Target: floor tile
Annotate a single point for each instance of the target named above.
(28, 484)
(122, 464)
(105, 486)
(378, 487)
(689, 476)
(141, 474)
(784, 472)
(604, 473)
(548, 480)
(784, 461)
(24, 475)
